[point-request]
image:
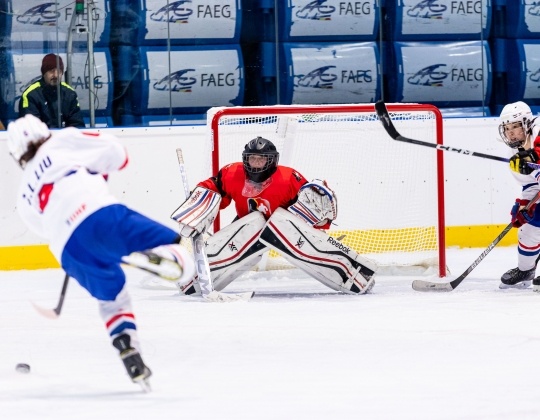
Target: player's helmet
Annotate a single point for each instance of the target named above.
(512, 114)
(25, 135)
(260, 146)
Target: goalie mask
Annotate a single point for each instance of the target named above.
(260, 158)
(515, 124)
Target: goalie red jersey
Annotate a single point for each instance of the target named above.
(279, 190)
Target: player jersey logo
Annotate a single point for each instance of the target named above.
(259, 204)
(232, 247)
(300, 243)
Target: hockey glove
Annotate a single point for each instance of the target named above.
(198, 212)
(520, 216)
(316, 204)
(519, 162)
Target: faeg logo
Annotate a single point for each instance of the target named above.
(535, 9)
(429, 76)
(427, 9)
(177, 82)
(319, 78)
(174, 12)
(316, 10)
(42, 15)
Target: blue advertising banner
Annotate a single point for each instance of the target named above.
(188, 21)
(446, 74)
(45, 24)
(328, 73)
(432, 20)
(523, 19)
(189, 79)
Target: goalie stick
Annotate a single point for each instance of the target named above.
(428, 286)
(201, 260)
(54, 313)
(388, 125)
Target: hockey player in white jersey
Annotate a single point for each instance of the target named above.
(64, 198)
(519, 130)
(277, 208)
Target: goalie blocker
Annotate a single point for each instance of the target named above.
(239, 246)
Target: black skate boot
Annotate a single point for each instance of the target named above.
(515, 278)
(136, 369)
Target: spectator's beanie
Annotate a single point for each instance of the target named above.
(50, 62)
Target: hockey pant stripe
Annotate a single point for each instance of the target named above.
(121, 322)
(205, 202)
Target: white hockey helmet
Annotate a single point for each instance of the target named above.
(512, 116)
(26, 133)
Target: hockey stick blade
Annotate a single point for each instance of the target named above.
(428, 286)
(384, 116)
(54, 313)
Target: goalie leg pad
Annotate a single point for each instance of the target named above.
(235, 249)
(321, 256)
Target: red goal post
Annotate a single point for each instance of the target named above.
(390, 194)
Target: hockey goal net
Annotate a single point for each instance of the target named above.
(390, 194)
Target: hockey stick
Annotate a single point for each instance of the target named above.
(201, 260)
(428, 286)
(388, 125)
(54, 313)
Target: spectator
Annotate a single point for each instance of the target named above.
(41, 98)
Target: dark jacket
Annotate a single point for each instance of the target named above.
(41, 100)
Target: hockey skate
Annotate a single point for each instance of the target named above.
(515, 278)
(136, 369)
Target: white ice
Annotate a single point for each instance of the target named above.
(296, 351)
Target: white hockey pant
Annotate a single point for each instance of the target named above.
(321, 256)
(235, 249)
(528, 246)
(118, 317)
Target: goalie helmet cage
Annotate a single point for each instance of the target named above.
(390, 194)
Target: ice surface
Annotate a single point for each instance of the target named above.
(296, 351)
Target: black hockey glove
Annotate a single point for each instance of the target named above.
(519, 162)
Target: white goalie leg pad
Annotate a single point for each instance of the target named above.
(235, 249)
(321, 256)
(198, 212)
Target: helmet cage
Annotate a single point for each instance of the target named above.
(260, 147)
(513, 143)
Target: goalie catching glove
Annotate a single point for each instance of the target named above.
(316, 203)
(520, 216)
(198, 212)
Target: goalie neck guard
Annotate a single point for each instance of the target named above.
(260, 147)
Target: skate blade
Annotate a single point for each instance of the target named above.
(520, 285)
(144, 383)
